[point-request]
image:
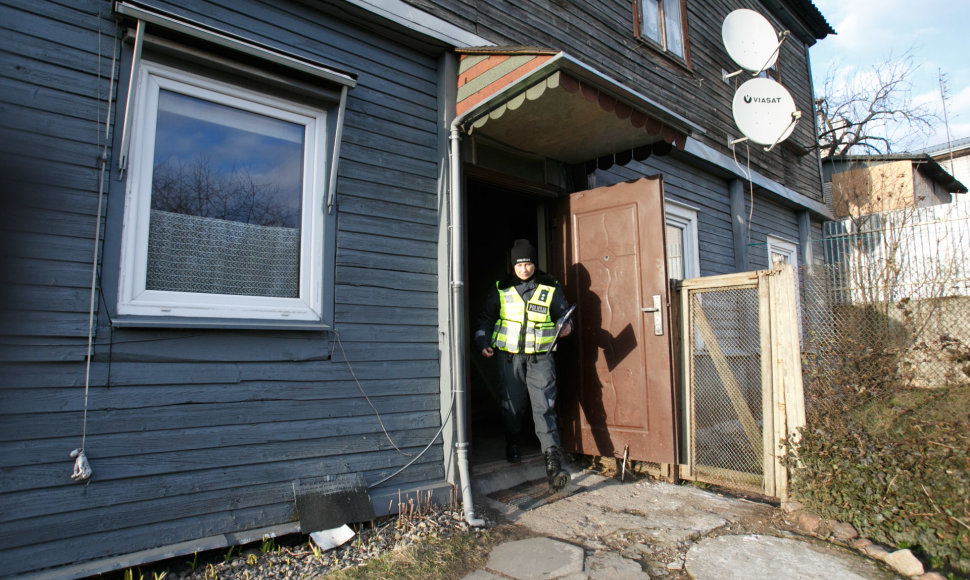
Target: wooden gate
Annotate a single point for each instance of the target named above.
(742, 379)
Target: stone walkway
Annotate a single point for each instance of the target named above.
(649, 529)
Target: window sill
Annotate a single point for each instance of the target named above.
(215, 323)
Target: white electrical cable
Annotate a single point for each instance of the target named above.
(444, 423)
(82, 468)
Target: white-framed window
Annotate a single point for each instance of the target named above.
(781, 250)
(662, 24)
(223, 213)
(683, 260)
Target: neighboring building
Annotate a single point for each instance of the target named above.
(866, 184)
(953, 157)
(236, 235)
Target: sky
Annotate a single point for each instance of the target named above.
(935, 32)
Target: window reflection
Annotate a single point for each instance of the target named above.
(226, 199)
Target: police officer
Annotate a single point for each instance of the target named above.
(517, 327)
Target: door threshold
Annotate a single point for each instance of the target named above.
(499, 475)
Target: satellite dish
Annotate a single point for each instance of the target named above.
(750, 40)
(764, 111)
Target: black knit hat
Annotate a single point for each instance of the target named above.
(523, 251)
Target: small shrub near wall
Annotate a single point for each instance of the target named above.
(898, 471)
(886, 445)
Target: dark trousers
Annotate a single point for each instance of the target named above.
(529, 379)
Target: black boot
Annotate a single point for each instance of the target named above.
(558, 477)
(512, 453)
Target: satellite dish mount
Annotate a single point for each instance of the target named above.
(763, 109)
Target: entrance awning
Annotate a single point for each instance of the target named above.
(547, 103)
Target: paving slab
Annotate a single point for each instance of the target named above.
(612, 565)
(751, 557)
(536, 559)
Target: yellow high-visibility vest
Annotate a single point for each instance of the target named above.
(514, 314)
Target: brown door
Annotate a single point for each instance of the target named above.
(614, 268)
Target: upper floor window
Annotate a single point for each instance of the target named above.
(663, 24)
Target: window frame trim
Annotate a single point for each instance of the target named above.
(685, 217)
(152, 307)
(778, 245)
(662, 46)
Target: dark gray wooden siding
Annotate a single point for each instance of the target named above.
(709, 195)
(195, 433)
(601, 35)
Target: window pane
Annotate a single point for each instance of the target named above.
(779, 258)
(226, 201)
(673, 28)
(675, 253)
(650, 19)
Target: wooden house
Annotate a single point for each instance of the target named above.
(241, 239)
(953, 157)
(866, 184)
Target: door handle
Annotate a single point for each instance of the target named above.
(658, 316)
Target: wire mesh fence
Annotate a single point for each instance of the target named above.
(854, 347)
(890, 308)
(726, 435)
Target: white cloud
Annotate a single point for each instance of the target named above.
(870, 31)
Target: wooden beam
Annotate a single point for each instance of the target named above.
(739, 224)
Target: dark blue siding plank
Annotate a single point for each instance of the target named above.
(363, 295)
(52, 324)
(369, 369)
(31, 376)
(351, 203)
(24, 401)
(144, 345)
(386, 160)
(358, 190)
(387, 333)
(388, 315)
(402, 280)
(388, 227)
(363, 168)
(21, 349)
(391, 246)
(163, 417)
(361, 258)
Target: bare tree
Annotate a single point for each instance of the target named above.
(871, 112)
(197, 189)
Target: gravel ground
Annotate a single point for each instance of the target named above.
(295, 557)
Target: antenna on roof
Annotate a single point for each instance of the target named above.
(946, 121)
(763, 109)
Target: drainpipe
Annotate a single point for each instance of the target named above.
(458, 327)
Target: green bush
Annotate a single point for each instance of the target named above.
(897, 467)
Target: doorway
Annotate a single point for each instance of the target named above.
(615, 377)
(497, 215)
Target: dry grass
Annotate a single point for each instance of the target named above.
(436, 558)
